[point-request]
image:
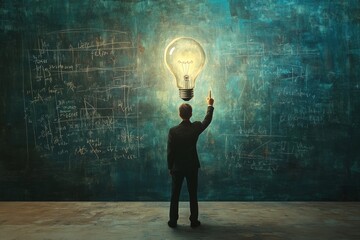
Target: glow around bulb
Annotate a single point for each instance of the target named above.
(185, 58)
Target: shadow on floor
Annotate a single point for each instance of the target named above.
(211, 231)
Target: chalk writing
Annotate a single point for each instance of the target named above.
(75, 107)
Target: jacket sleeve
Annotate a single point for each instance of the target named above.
(170, 151)
(208, 118)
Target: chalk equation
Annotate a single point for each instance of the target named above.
(274, 101)
(81, 96)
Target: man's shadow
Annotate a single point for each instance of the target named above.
(213, 231)
(231, 231)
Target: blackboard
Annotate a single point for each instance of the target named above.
(86, 100)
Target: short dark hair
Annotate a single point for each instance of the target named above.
(185, 111)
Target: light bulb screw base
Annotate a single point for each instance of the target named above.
(186, 94)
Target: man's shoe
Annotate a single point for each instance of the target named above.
(195, 224)
(172, 224)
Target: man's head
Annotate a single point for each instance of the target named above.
(185, 111)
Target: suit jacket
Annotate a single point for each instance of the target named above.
(181, 150)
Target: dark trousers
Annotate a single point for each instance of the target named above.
(192, 185)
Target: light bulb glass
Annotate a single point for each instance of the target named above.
(185, 58)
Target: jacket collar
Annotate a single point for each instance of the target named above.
(185, 122)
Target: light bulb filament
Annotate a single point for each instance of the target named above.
(185, 66)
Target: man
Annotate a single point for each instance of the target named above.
(183, 161)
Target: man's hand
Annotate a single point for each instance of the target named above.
(210, 101)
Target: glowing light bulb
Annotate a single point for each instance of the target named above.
(185, 59)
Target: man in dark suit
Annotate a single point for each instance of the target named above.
(183, 160)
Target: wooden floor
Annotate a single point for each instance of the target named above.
(148, 220)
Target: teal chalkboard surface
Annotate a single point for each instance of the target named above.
(86, 100)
